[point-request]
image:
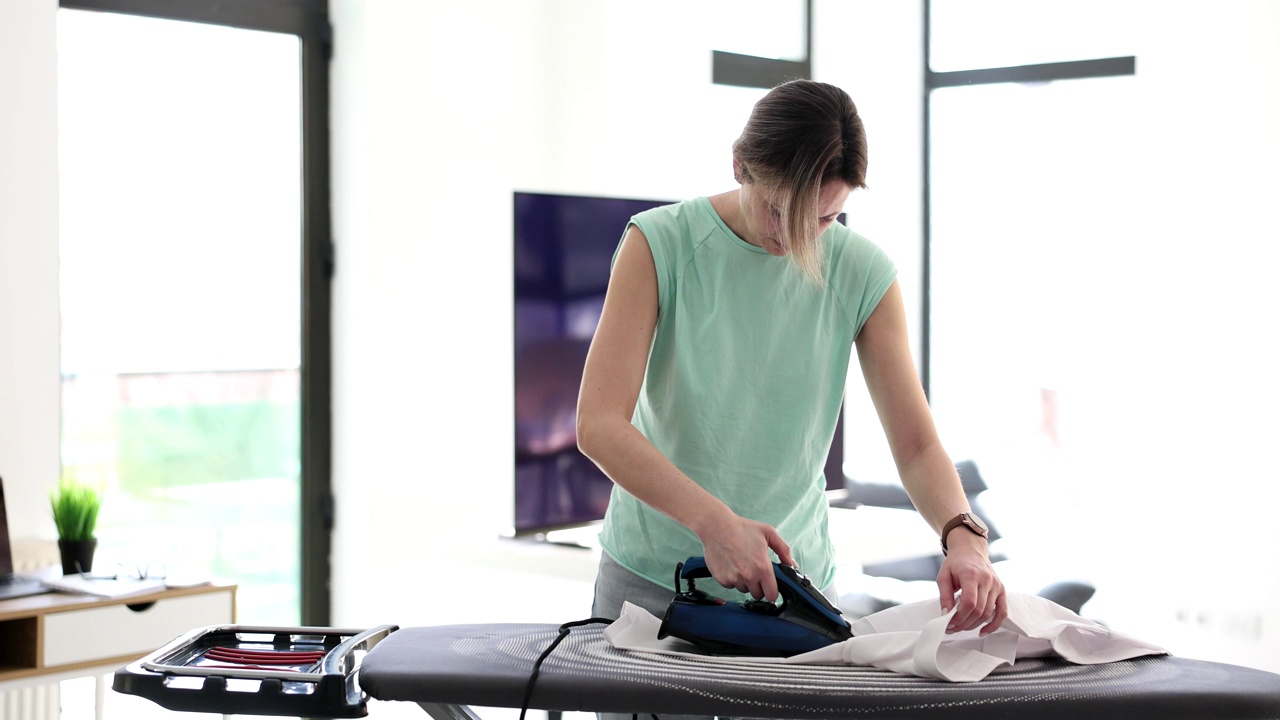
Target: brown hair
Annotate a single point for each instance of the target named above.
(800, 135)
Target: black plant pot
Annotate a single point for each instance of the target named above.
(77, 555)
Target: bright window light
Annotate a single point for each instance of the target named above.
(972, 34)
(763, 28)
(180, 172)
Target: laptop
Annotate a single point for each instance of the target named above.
(13, 585)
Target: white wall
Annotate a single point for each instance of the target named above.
(29, 382)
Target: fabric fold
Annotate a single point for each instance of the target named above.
(911, 639)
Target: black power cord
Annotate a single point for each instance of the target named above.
(561, 634)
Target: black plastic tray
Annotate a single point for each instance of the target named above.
(256, 670)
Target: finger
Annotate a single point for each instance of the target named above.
(734, 579)
(969, 609)
(963, 612)
(1001, 613)
(996, 607)
(981, 617)
(946, 591)
(781, 548)
(769, 586)
(985, 609)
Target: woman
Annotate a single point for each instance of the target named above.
(713, 383)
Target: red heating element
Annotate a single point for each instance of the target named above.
(233, 657)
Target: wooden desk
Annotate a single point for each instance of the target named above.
(58, 636)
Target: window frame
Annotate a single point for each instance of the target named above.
(1031, 73)
(309, 21)
(737, 69)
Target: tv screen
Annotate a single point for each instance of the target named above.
(563, 249)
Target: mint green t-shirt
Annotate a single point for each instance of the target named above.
(744, 383)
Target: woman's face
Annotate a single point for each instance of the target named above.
(763, 219)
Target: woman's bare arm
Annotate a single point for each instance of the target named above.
(927, 473)
(736, 548)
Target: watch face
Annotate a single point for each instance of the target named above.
(975, 522)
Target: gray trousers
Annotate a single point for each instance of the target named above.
(614, 584)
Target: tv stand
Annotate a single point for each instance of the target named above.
(582, 537)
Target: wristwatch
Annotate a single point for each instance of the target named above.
(971, 522)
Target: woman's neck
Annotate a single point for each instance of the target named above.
(728, 205)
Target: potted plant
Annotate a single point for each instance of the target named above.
(75, 513)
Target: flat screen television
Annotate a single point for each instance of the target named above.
(563, 249)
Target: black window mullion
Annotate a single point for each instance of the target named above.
(290, 16)
(1042, 72)
(729, 68)
(751, 71)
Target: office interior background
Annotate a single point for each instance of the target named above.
(1103, 255)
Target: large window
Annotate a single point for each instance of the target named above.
(194, 290)
(975, 34)
(181, 236)
(1031, 239)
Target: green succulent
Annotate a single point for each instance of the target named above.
(75, 509)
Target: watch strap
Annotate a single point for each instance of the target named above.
(963, 519)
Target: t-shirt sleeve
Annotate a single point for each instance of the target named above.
(659, 239)
(881, 273)
(861, 273)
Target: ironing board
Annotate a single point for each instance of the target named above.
(446, 669)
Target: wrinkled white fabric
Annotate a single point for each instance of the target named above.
(912, 639)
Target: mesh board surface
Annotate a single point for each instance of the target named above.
(489, 665)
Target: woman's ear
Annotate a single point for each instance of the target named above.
(737, 171)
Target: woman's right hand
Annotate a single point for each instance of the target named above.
(737, 554)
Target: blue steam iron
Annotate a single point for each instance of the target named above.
(803, 620)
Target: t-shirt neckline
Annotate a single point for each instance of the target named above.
(705, 202)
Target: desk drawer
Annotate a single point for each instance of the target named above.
(80, 636)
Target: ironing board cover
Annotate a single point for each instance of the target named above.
(488, 665)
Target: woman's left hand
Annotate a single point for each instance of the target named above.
(967, 569)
